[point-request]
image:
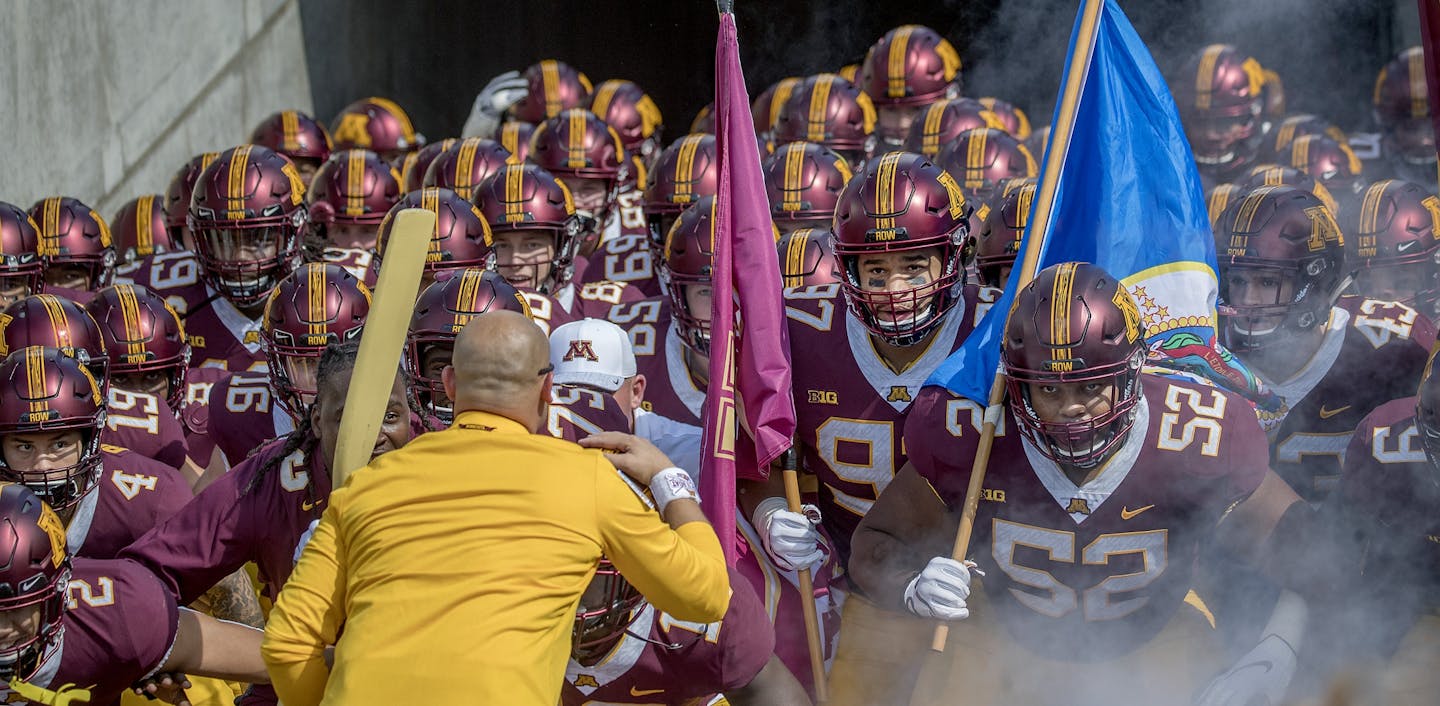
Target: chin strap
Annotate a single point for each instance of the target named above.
(67, 694)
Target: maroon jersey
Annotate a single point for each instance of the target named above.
(545, 311)
(227, 525)
(146, 425)
(1093, 572)
(355, 260)
(577, 412)
(119, 626)
(133, 494)
(243, 415)
(175, 276)
(195, 412)
(850, 406)
(594, 299)
(693, 660)
(1372, 352)
(625, 259)
(222, 336)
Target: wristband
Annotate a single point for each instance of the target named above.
(672, 484)
(765, 509)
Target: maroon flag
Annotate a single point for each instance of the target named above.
(749, 413)
(1429, 36)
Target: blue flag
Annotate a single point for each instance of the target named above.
(1129, 200)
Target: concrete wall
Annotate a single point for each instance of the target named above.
(103, 101)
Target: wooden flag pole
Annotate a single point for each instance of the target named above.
(1039, 228)
(807, 586)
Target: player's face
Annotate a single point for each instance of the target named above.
(329, 407)
(1063, 402)
(150, 382)
(590, 194)
(358, 236)
(433, 361)
(698, 298)
(898, 273)
(13, 289)
(894, 122)
(18, 626)
(68, 276)
(1396, 283)
(35, 452)
(243, 246)
(524, 256)
(301, 372)
(307, 169)
(1259, 286)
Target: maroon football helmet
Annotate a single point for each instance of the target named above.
(19, 254)
(982, 158)
(73, 235)
(1000, 234)
(803, 182)
(34, 571)
(901, 202)
(626, 107)
(686, 170)
(352, 188)
(552, 86)
(318, 304)
(1221, 100)
(604, 612)
(412, 170)
(1293, 126)
(1012, 119)
(905, 70)
(140, 229)
(142, 333)
(177, 198)
(514, 136)
(55, 322)
(830, 111)
(1282, 265)
(525, 197)
(466, 165)
(297, 136)
(1427, 411)
(1397, 240)
(944, 120)
(577, 146)
(688, 259)
(1329, 162)
(1276, 175)
(1402, 109)
(44, 390)
(461, 238)
(765, 109)
(1074, 323)
(1219, 199)
(376, 124)
(440, 312)
(704, 121)
(247, 214)
(807, 258)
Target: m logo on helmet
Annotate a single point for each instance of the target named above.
(1323, 229)
(354, 129)
(53, 528)
(957, 197)
(1126, 304)
(581, 349)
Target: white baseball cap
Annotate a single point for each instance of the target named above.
(592, 352)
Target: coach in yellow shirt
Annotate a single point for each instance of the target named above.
(448, 572)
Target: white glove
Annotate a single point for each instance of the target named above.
(1258, 679)
(305, 539)
(940, 591)
(790, 538)
(490, 105)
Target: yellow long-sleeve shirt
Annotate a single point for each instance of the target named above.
(454, 565)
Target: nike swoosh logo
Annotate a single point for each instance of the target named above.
(644, 692)
(1128, 514)
(307, 506)
(1328, 413)
(1402, 247)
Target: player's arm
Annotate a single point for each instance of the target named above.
(308, 616)
(234, 599)
(907, 526)
(207, 647)
(773, 686)
(681, 568)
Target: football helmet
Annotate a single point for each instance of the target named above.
(140, 229)
(908, 68)
(74, 235)
(1282, 266)
(604, 612)
(19, 252)
(830, 111)
(297, 136)
(1293, 126)
(1222, 102)
(688, 259)
(944, 120)
(1012, 119)
(1074, 323)
(318, 304)
(552, 86)
(1402, 109)
(634, 115)
(982, 158)
(514, 136)
(1427, 412)
(807, 258)
(1219, 199)
(177, 198)
(376, 124)
(1397, 241)
(352, 188)
(686, 170)
(1329, 162)
(141, 333)
(803, 182)
(765, 109)
(440, 312)
(461, 237)
(577, 146)
(412, 170)
(525, 197)
(466, 165)
(44, 390)
(901, 202)
(55, 322)
(999, 240)
(1276, 175)
(34, 571)
(247, 214)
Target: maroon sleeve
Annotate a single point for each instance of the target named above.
(937, 453)
(746, 638)
(120, 629)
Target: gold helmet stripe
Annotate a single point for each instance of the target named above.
(355, 183)
(318, 286)
(794, 170)
(144, 239)
(795, 256)
(1370, 205)
(885, 191)
(895, 69)
(1419, 92)
(1205, 75)
(600, 103)
(514, 193)
(684, 167)
(975, 159)
(783, 91)
(130, 316)
(235, 188)
(35, 378)
(819, 107)
(465, 166)
(930, 138)
(1060, 292)
(290, 130)
(1245, 218)
(575, 141)
(550, 83)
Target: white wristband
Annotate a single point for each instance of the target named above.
(672, 484)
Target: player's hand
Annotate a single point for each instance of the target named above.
(165, 686)
(492, 101)
(634, 456)
(940, 591)
(790, 538)
(1259, 678)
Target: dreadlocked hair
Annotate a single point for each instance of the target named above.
(337, 359)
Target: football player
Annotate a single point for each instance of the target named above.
(514, 136)
(803, 182)
(466, 165)
(412, 170)
(551, 86)
(765, 110)
(21, 273)
(76, 252)
(626, 107)
(1220, 93)
(175, 274)
(1012, 119)
(999, 241)
(944, 120)
(906, 70)
(832, 112)
(302, 139)
(1397, 239)
(461, 237)
(1402, 110)
(983, 160)
(1104, 482)
(140, 231)
(349, 197)
(1331, 163)
(379, 125)
(587, 154)
(807, 258)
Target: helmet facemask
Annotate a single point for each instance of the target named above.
(907, 316)
(244, 263)
(605, 611)
(1082, 443)
(1286, 300)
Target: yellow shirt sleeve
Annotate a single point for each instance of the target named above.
(308, 615)
(681, 571)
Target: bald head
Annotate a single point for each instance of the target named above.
(497, 367)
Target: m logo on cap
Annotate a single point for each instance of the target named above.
(581, 349)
